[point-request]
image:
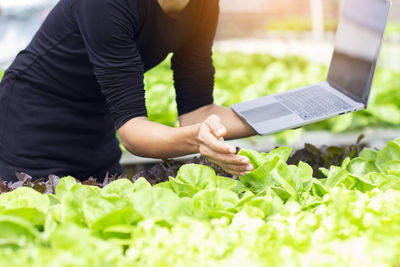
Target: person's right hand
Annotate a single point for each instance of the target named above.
(211, 145)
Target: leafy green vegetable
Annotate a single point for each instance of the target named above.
(25, 203)
(326, 156)
(214, 203)
(64, 186)
(158, 204)
(16, 232)
(199, 218)
(390, 152)
(71, 204)
(192, 178)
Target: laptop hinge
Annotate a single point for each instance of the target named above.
(347, 93)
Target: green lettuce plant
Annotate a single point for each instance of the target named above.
(276, 215)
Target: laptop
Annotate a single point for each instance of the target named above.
(347, 88)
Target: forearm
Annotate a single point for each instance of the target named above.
(148, 139)
(235, 126)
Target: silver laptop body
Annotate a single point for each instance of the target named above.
(347, 88)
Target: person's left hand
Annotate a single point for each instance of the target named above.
(211, 145)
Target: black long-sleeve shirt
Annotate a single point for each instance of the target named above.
(81, 78)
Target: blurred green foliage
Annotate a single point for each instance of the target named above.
(299, 25)
(240, 77)
(393, 29)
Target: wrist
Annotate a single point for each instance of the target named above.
(193, 141)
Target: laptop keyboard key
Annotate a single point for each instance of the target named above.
(312, 102)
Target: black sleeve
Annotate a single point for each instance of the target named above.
(108, 28)
(192, 64)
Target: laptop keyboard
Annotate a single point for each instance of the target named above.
(313, 102)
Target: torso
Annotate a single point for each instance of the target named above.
(52, 112)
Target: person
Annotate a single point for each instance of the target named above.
(81, 78)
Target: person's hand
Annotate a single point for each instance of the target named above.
(213, 147)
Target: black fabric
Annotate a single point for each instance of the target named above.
(81, 77)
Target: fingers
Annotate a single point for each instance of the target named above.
(238, 170)
(207, 138)
(216, 126)
(232, 159)
(231, 163)
(213, 147)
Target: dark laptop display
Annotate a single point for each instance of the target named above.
(347, 88)
(357, 47)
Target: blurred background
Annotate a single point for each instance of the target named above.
(261, 47)
(286, 27)
(19, 20)
(302, 27)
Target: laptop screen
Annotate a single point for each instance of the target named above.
(357, 45)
